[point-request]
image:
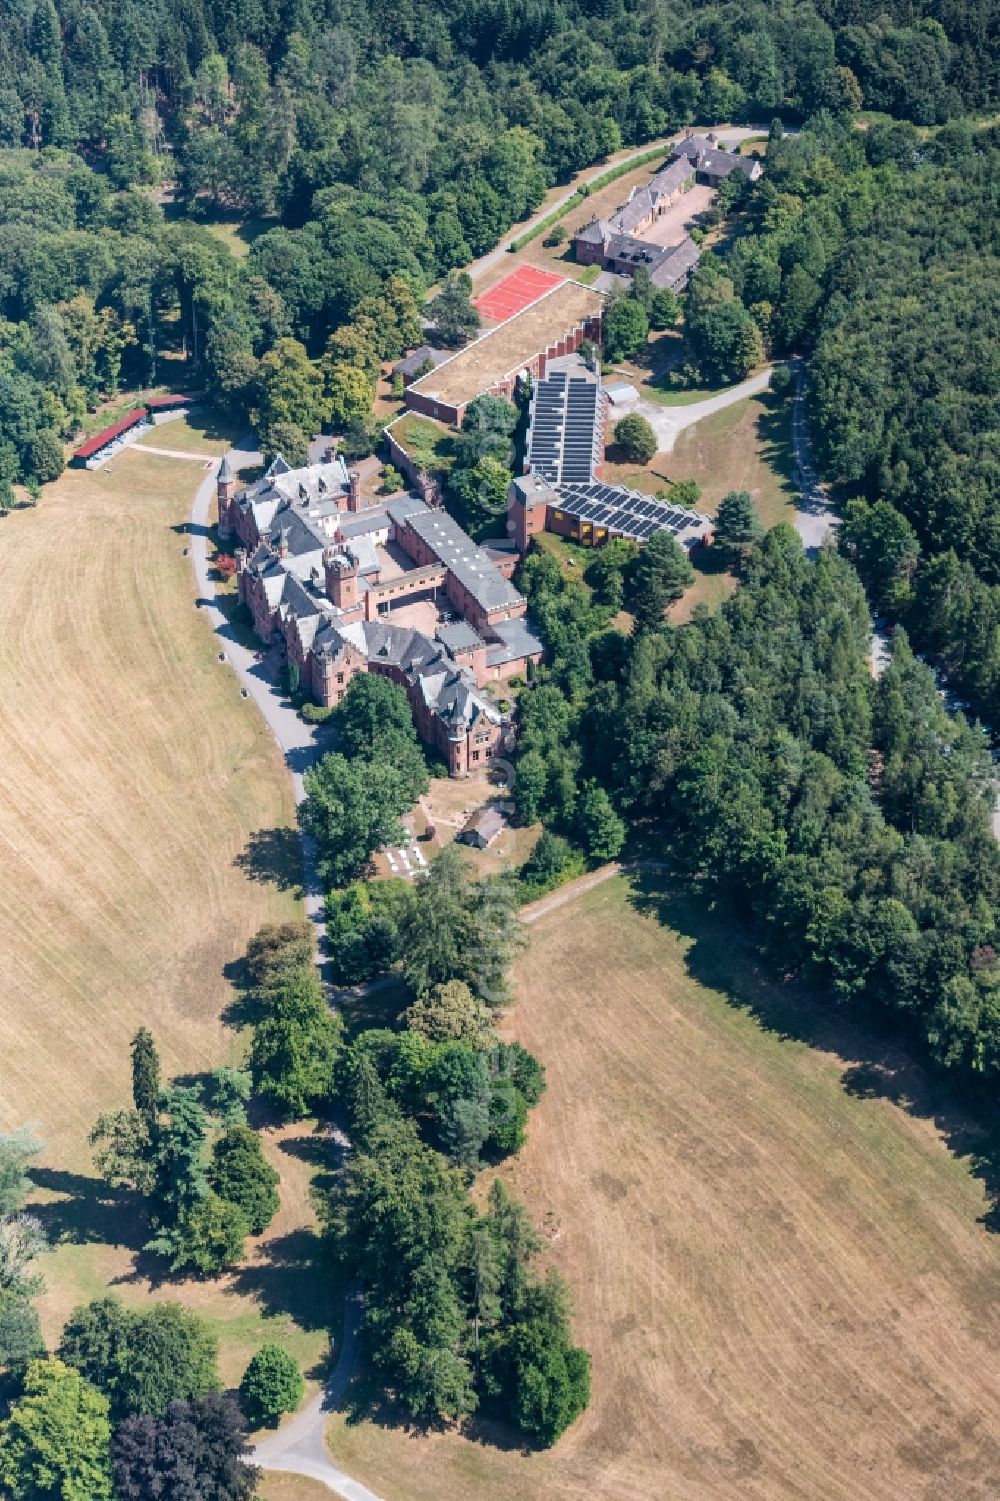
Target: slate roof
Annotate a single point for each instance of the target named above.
(460, 636)
(707, 156)
(487, 824)
(445, 685)
(644, 202)
(474, 569)
(721, 163)
(674, 268)
(517, 639)
(595, 233)
(411, 363)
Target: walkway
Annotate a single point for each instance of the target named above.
(301, 744)
(206, 460)
(668, 422)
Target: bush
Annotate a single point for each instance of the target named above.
(636, 438)
(316, 713)
(391, 481)
(781, 380)
(272, 1384)
(551, 861)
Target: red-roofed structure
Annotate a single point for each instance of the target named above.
(516, 292)
(167, 403)
(108, 435)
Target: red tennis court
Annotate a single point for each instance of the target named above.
(516, 292)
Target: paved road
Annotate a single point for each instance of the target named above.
(299, 1447)
(668, 422)
(815, 519)
(729, 134)
(302, 744)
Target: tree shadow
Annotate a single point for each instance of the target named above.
(274, 858)
(879, 1062)
(368, 1401)
(377, 1003)
(321, 1152)
(87, 1212)
(709, 560)
(774, 430)
(295, 1279)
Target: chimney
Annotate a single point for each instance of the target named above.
(354, 491)
(283, 542)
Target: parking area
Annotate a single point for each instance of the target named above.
(681, 216)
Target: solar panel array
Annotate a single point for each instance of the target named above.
(628, 512)
(565, 428)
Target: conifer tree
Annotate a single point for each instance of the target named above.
(145, 1074)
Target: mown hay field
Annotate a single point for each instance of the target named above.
(783, 1275)
(133, 777)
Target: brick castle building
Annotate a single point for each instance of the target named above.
(321, 574)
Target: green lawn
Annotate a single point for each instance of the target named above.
(429, 443)
(204, 430)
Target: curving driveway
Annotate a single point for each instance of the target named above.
(301, 744)
(668, 422)
(299, 1447)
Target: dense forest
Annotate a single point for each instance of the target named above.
(849, 819)
(384, 143)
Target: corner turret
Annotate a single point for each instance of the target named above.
(225, 485)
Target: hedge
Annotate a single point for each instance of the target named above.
(583, 193)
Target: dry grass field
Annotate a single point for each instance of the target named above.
(782, 1275)
(282, 1487)
(133, 778)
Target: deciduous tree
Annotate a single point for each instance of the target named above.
(56, 1441)
(272, 1384)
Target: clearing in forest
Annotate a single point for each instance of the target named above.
(783, 1276)
(134, 776)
